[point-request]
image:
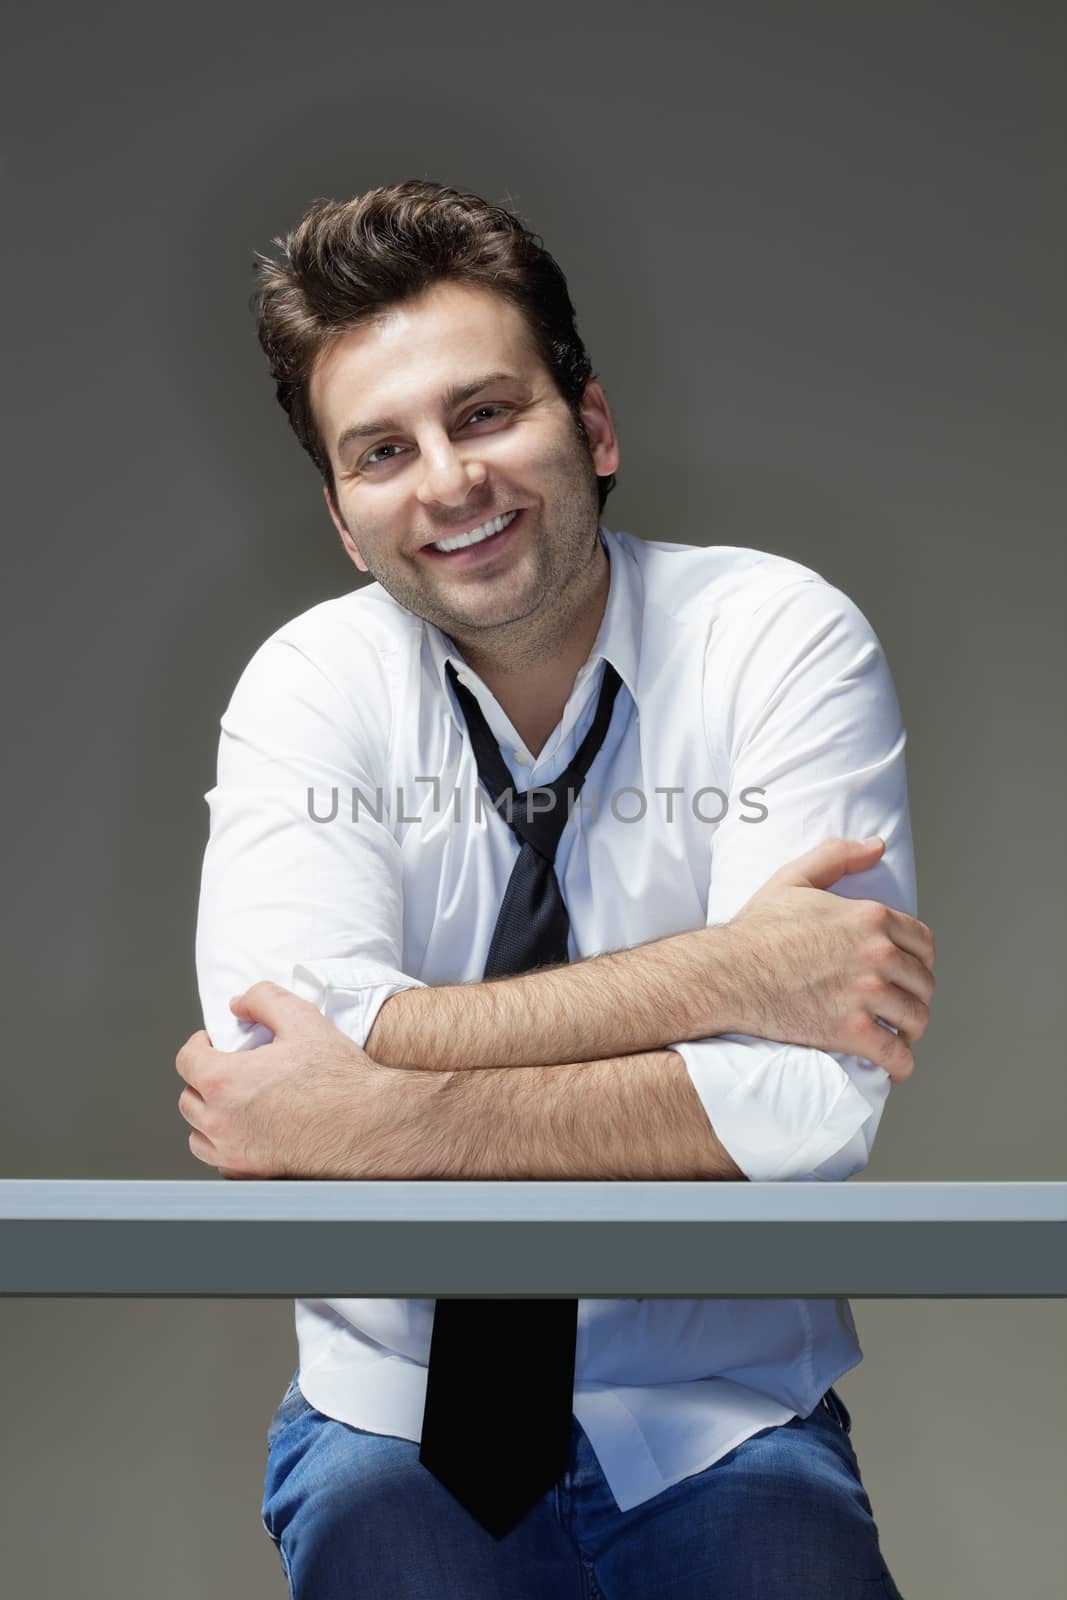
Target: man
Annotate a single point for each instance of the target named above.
(709, 1012)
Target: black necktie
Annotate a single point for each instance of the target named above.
(500, 1385)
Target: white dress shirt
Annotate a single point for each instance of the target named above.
(742, 672)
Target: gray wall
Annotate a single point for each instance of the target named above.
(817, 256)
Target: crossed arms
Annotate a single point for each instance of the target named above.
(583, 1070)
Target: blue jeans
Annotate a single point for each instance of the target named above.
(784, 1516)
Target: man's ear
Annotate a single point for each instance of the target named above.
(596, 416)
(346, 538)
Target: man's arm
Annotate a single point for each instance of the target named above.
(634, 1118)
(604, 1006)
(811, 717)
(313, 1104)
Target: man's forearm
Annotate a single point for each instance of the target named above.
(634, 1118)
(606, 1006)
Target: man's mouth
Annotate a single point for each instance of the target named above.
(479, 545)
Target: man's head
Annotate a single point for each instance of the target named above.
(382, 316)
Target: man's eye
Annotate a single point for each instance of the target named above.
(370, 461)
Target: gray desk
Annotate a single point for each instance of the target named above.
(597, 1240)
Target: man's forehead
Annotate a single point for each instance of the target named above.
(379, 366)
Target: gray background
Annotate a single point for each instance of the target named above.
(817, 256)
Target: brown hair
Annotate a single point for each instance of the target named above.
(347, 262)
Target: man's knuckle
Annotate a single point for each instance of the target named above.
(874, 915)
(187, 1058)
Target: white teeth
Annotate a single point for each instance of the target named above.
(476, 535)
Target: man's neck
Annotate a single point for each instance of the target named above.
(535, 708)
(535, 695)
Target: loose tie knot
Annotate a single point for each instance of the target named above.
(535, 822)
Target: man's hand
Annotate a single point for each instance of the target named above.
(824, 970)
(311, 1104)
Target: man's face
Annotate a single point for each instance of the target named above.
(442, 465)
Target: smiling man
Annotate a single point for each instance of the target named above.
(552, 852)
(526, 602)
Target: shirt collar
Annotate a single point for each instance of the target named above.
(618, 640)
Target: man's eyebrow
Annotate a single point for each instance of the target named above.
(453, 397)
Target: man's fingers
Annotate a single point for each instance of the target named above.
(880, 1043)
(909, 934)
(194, 1054)
(277, 1008)
(822, 866)
(202, 1148)
(192, 1106)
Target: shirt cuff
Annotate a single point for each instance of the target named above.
(780, 1110)
(349, 991)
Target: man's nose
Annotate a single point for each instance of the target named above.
(448, 477)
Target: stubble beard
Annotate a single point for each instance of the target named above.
(562, 588)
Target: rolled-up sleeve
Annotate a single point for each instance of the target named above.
(800, 704)
(290, 890)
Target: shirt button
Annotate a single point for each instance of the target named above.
(520, 757)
